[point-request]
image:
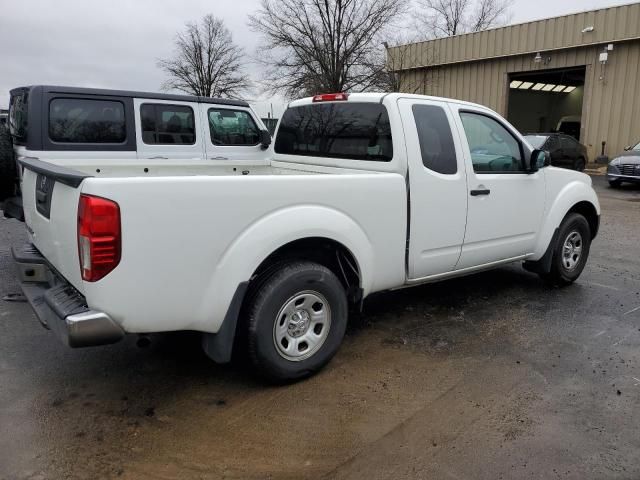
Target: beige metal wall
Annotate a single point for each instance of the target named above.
(611, 107)
(612, 24)
(476, 67)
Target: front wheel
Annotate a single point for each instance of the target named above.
(297, 317)
(615, 183)
(571, 250)
(579, 164)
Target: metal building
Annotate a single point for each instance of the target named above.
(520, 71)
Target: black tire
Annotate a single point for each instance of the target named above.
(579, 164)
(615, 183)
(270, 295)
(8, 172)
(566, 269)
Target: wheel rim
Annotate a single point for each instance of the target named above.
(302, 325)
(572, 250)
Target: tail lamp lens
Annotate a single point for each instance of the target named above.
(99, 243)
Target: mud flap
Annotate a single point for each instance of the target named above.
(219, 346)
(544, 264)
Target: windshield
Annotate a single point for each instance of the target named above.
(536, 141)
(637, 147)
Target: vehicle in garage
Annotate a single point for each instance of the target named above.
(359, 193)
(625, 167)
(564, 150)
(570, 125)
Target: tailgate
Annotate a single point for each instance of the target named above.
(50, 195)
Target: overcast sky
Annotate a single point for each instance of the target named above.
(115, 43)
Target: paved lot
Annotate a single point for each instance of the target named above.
(491, 376)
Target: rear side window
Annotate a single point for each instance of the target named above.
(232, 127)
(75, 120)
(167, 124)
(436, 141)
(354, 131)
(567, 142)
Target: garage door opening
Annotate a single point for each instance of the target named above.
(547, 101)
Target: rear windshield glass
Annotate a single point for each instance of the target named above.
(355, 131)
(167, 124)
(18, 115)
(536, 141)
(74, 120)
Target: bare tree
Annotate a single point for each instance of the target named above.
(206, 62)
(445, 18)
(320, 46)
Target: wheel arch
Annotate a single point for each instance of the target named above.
(588, 211)
(310, 232)
(322, 250)
(575, 197)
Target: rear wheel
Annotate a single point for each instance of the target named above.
(615, 183)
(297, 317)
(571, 250)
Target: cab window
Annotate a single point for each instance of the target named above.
(493, 148)
(232, 127)
(164, 124)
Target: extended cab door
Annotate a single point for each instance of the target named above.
(232, 133)
(437, 187)
(167, 129)
(506, 203)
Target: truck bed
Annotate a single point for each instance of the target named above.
(195, 232)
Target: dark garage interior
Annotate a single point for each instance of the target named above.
(539, 101)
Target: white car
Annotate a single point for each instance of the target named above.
(359, 193)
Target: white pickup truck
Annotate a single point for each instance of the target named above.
(358, 194)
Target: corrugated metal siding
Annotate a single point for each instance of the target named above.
(611, 106)
(610, 25)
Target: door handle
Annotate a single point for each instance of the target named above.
(484, 191)
(158, 157)
(218, 158)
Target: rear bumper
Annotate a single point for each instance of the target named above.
(59, 306)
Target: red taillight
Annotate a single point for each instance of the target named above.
(331, 97)
(99, 243)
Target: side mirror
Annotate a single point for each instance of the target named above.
(265, 139)
(627, 148)
(539, 159)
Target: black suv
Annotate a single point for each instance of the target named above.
(565, 151)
